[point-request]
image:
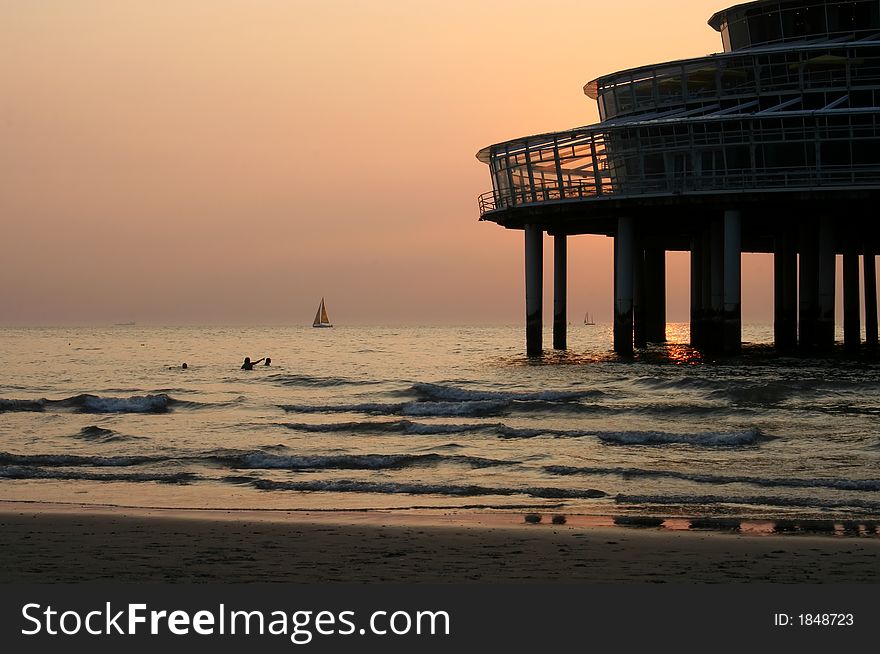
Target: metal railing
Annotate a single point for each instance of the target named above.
(679, 184)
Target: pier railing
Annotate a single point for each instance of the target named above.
(787, 149)
(680, 184)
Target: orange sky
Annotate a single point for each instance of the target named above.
(231, 161)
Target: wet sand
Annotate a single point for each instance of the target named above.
(70, 543)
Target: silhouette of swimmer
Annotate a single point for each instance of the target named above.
(248, 364)
(183, 366)
(268, 362)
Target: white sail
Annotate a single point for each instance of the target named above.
(321, 318)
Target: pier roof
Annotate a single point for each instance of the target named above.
(718, 17)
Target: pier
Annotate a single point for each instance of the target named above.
(772, 146)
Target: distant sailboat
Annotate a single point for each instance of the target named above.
(321, 319)
(588, 320)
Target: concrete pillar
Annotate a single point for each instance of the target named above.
(534, 237)
(624, 254)
(852, 328)
(808, 285)
(785, 292)
(560, 291)
(696, 289)
(640, 299)
(732, 281)
(870, 298)
(655, 294)
(826, 285)
(716, 279)
(706, 286)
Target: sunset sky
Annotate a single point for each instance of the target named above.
(232, 161)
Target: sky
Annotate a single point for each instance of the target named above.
(233, 161)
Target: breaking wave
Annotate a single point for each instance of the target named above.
(750, 436)
(352, 486)
(256, 459)
(262, 460)
(72, 460)
(87, 403)
(420, 409)
(870, 485)
(21, 405)
(395, 426)
(22, 472)
(759, 500)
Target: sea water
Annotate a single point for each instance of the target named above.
(443, 418)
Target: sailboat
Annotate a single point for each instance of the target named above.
(588, 320)
(321, 319)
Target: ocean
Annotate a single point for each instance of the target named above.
(441, 418)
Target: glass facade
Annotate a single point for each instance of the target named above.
(780, 21)
(793, 103)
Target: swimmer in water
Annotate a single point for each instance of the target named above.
(248, 364)
(268, 362)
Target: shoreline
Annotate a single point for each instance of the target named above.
(51, 543)
(477, 515)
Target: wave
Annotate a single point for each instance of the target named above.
(252, 459)
(21, 405)
(73, 460)
(420, 409)
(747, 437)
(436, 400)
(395, 426)
(97, 434)
(307, 380)
(352, 486)
(439, 392)
(869, 485)
(262, 460)
(765, 500)
(19, 472)
(88, 403)
(750, 436)
(503, 407)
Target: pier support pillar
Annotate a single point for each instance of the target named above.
(870, 298)
(785, 292)
(706, 288)
(560, 291)
(624, 255)
(852, 328)
(655, 294)
(715, 327)
(808, 293)
(696, 290)
(534, 237)
(826, 285)
(640, 299)
(732, 325)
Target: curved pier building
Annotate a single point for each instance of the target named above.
(771, 146)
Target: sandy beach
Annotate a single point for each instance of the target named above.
(71, 543)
